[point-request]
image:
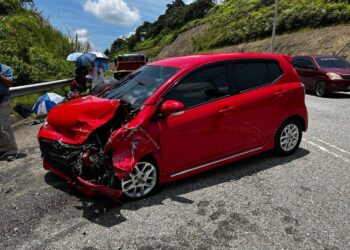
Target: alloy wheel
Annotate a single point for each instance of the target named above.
(141, 181)
(289, 137)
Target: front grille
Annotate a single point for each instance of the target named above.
(346, 76)
(57, 147)
(59, 155)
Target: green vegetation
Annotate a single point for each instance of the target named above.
(233, 22)
(152, 37)
(31, 46)
(240, 20)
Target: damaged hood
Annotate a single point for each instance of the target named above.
(77, 119)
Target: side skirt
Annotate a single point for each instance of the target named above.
(215, 162)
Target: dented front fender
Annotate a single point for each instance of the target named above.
(128, 146)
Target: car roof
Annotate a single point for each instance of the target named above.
(190, 61)
(315, 56)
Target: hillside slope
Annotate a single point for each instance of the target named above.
(31, 45)
(228, 24)
(328, 40)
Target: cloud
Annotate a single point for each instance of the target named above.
(82, 35)
(113, 11)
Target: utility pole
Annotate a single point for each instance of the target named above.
(275, 17)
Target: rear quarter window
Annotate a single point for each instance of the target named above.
(275, 71)
(254, 74)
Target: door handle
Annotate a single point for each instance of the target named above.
(226, 109)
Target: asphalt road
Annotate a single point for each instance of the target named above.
(297, 202)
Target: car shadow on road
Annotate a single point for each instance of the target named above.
(341, 95)
(338, 96)
(102, 211)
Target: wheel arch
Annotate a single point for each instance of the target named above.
(320, 80)
(277, 146)
(150, 158)
(298, 118)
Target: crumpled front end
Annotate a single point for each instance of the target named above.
(97, 164)
(84, 166)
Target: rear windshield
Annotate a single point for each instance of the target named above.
(139, 85)
(332, 62)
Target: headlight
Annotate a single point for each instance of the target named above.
(334, 76)
(44, 125)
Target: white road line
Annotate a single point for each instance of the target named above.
(326, 150)
(330, 145)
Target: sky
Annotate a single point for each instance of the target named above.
(101, 21)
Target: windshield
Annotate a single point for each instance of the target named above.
(140, 85)
(332, 62)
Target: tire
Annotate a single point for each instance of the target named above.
(288, 137)
(321, 89)
(142, 182)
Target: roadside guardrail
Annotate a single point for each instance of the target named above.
(37, 87)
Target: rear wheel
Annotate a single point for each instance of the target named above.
(288, 137)
(142, 182)
(321, 89)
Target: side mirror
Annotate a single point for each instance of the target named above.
(171, 106)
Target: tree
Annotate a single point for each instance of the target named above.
(118, 44)
(198, 9)
(107, 52)
(173, 5)
(8, 7)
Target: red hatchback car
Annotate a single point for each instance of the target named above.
(323, 74)
(175, 118)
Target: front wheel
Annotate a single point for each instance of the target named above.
(142, 181)
(321, 89)
(288, 137)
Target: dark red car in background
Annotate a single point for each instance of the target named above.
(127, 63)
(323, 74)
(175, 118)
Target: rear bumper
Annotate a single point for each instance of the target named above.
(86, 187)
(338, 85)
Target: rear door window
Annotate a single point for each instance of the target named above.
(253, 74)
(201, 86)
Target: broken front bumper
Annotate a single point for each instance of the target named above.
(59, 157)
(86, 187)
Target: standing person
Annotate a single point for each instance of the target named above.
(79, 82)
(100, 73)
(8, 146)
(98, 84)
(93, 74)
